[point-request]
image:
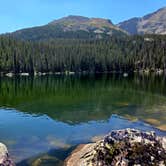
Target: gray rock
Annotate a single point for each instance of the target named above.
(122, 148)
(5, 159)
(153, 23)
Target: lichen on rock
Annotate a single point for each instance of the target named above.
(127, 147)
(5, 160)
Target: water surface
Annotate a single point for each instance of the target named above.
(45, 117)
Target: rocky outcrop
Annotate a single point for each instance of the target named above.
(122, 148)
(5, 160)
(154, 23)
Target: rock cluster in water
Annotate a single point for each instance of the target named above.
(127, 147)
(5, 160)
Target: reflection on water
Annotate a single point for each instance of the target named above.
(49, 115)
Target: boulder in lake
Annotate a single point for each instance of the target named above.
(5, 160)
(127, 147)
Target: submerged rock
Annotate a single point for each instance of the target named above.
(122, 148)
(45, 160)
(5, 160)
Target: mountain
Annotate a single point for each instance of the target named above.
(154, 23)
(71, 27)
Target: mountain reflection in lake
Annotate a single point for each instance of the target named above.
(57, 112)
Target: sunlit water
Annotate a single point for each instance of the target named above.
(45, 117)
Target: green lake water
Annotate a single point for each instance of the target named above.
(46, 117)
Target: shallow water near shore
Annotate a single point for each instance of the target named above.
(45, 117)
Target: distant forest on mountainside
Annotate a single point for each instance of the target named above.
(83, 55)
(81, 44)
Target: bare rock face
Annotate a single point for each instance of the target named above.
(4, 156)
(154, 23)
(122, 148)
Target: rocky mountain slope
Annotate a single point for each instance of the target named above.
(71, 27)
(95, 28)
(154, 23)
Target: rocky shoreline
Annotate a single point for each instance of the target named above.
(127, 147)
(5, 159)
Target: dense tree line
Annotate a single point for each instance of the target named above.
(83, 55)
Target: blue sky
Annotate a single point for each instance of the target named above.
(17, 14)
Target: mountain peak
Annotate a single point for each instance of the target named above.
(153, 23)
(77, 17)
(159, 13)
(161, 9)
(71, 18)
(81, 20)
(76, 23)
(72, 27)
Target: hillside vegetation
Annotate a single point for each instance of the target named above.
(104, 55)
(71, 27)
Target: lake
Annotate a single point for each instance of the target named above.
(46, 117)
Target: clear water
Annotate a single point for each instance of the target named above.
(45, 117)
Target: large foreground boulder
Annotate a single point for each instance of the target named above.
(128, 147)
(4, 156)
